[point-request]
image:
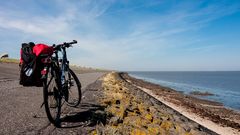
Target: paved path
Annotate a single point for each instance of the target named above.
(20, 111)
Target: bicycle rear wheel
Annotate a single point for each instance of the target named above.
(73, 88)
(52, 97)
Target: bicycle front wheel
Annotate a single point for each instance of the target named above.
(52, 97)
(73, 88)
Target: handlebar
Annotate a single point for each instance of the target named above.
(68, 43)
(65, 44)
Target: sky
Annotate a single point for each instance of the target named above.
(136, 35)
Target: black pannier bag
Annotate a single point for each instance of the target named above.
(29, 70)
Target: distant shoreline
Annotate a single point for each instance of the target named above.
(221, 86)
(201, 108)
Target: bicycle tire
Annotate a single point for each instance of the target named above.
(76, 90)
(48, 93)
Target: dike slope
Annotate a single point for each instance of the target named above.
(130, 110)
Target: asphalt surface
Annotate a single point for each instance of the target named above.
(20, 111)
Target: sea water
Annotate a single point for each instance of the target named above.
(225, 85)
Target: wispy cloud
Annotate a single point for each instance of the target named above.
(98, 26)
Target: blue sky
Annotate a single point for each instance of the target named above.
(165, 35)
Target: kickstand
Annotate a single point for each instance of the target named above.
(42, 105)
(35, 114)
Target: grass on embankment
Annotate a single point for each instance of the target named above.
(81, 70)
(76, 69)
(9, 60)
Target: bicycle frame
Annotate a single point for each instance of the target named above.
(62, 64)
(57, 69)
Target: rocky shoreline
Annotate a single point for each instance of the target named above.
(205, 109)
(199, 93)
(130, 110)
(126, 105)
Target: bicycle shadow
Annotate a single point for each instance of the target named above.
(90, 116)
